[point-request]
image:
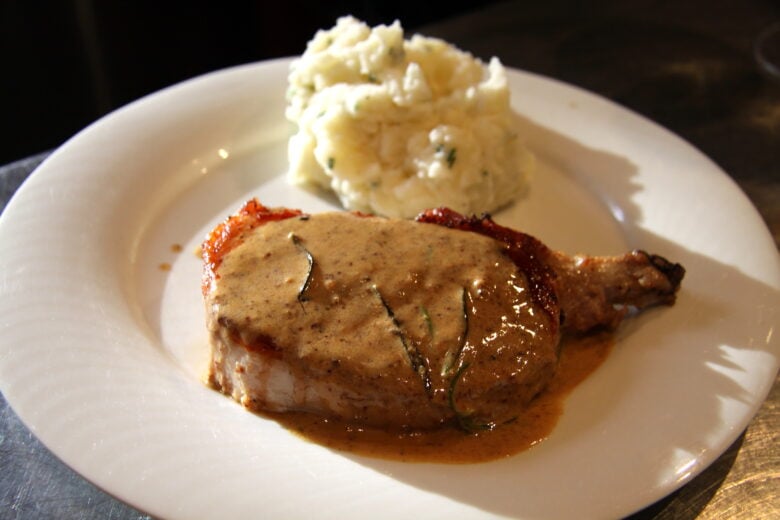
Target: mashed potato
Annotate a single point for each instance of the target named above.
(396, 126)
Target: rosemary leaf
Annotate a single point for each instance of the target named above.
(310, 259)
(466, 420)
(416, 359)
(427, 320)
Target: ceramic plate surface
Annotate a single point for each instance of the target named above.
(103, 337)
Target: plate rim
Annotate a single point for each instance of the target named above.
(52, 163)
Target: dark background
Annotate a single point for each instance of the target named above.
(66, 63)
(688, 65)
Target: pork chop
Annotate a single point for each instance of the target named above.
(403, 324)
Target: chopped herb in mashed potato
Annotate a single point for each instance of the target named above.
(395, 126)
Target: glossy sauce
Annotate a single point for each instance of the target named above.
(444, 332)
(383, 322)
(580, 357)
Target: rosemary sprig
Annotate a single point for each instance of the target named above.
(416, 359)
(310, 259)
(427, 320)
(451, 356)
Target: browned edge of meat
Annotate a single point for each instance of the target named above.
(592, 291)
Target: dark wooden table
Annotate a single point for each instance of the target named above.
(690, 66)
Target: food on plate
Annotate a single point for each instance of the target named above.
(443, 321)
(395, 126)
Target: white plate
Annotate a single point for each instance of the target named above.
(101, 348)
